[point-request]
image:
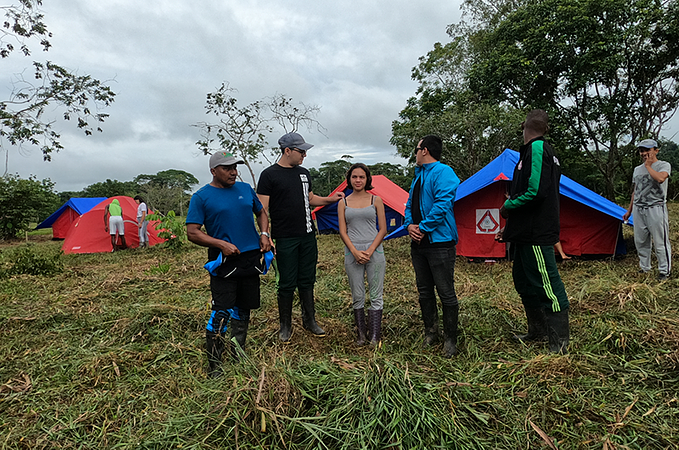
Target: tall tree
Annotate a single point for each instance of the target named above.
(606, 70)
(167, 190)
(23, 117)
(23, 201)
(402, 176)
(111, 188)
(243, 131)
(326, 178)
(474, 131)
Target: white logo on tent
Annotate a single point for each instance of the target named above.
(487, 221)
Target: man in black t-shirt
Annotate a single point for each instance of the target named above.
(285, 190)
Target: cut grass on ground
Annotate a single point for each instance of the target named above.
(109, 354)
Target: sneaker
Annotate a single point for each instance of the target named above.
(663, 277)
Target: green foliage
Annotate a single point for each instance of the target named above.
(326, 178)
(173, 230)
(167, 190)
(605, 72)
(79, 97)
(23, 201)
(30, 260)
(669, 151)
(111, 188)
(331, 173)
(402, 176)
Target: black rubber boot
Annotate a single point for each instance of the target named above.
(450, 320)
(375, 319)
(214, 346)
(285, 316)
(537, 326)
(306, 299)
(361, 332)
(430, 317)
(559, 331)
(239, 332)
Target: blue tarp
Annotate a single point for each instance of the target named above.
(502, 168)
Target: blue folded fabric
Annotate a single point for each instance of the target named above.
(212, 266)
(268, 257)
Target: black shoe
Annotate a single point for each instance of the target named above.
(537, 326)
(239, 332)
(430, 317)
(450, 321)
(559, 331)
(663, 277)
(306, 299)
(214, 347)
(375, 319)
(285, 316)
(361, 329)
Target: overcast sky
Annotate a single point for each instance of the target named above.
(353, 59)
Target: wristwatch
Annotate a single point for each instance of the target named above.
(265, 233)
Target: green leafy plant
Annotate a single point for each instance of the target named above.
(28, 261)
(172, 229)
(160, 269)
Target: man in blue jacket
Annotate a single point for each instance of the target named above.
(532, 213)
(430, 222)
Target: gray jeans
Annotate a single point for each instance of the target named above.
(373, 269)
(652, 224)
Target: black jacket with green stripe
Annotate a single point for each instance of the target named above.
(533, 206)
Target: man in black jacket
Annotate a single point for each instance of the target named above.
(532, 214)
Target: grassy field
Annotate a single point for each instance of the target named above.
(109, 354)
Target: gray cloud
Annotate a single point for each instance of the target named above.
(353, 59)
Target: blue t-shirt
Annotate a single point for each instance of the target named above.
(227, 214)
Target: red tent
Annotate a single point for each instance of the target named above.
(392, 195)
(61, 220)
(590, 224)
(87, 234)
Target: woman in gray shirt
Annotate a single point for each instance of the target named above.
(362, 226)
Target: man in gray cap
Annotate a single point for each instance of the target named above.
(225, 207)
(285, 191)
(649, 206)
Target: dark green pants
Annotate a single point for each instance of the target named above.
(296, 260)
(537, 279)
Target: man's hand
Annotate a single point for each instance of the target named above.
(337, 196)
(415, 233)
(264, 243)
(625, 216)
(228, 248)
(499, 236)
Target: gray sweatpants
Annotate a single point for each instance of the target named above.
(652, 224)
(356, 273)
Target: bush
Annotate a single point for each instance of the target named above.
(26, 261)
(172, 230)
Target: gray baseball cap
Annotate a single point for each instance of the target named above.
(224, 159)
(648, 143)
(294, 140)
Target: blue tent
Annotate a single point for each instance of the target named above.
(60, 221)
(590, 223)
